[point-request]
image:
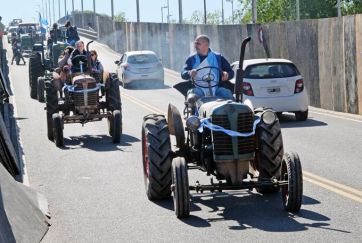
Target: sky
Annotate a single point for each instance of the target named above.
(150, 10)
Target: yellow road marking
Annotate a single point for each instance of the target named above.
(330, 185)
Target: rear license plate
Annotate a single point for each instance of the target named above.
(274, 90)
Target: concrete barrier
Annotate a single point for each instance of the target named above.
(22, 211)
(326, 51)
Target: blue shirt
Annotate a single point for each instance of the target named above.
(224, 65)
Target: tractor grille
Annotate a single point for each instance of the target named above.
(223, 142)
(87, 98)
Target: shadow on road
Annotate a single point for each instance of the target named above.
(99, 143)
(249, 210)
(288, 121)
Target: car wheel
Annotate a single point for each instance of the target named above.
(301, 115)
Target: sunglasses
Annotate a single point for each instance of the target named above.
(93, 54)
(197, 43)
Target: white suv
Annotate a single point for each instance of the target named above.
(274, 83)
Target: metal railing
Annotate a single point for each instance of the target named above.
(88, 33)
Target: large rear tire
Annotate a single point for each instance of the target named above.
(51, 102)
(113, 99)
(156, 150)
(36, 70)
(292, 172)
(41, 89)
(269, 154)
(180, 185)
(58, 130)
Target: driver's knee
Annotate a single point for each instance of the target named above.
(225, 93)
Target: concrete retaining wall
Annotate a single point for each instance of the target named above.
(328, 52)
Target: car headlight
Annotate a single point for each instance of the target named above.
(193, 123)
(268, 117)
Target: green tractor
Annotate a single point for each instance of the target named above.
(240, 146)
(42, 62)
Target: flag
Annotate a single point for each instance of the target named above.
(43, 24)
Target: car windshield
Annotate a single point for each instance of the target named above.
(142, 59)
(271, 70)
(11, 30)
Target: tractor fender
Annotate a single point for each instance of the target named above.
(175, 125)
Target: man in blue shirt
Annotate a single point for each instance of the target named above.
(205, 57)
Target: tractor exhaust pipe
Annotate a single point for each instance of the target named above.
(238, 88)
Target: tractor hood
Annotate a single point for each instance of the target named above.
(208, 107)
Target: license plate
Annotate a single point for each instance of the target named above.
(274, 90)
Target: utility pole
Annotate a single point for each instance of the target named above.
(255, 13)
(168, 11)
(46, 10)
(94, 14)
(73, 15)
(65, 7)
(59, 8)
(42, 6)
(50, 14)
(82, 13)
(54, 13)
(298, 10)
(339, 8)
(222, 12)
(138, 10)
(112, 9)
(180, 11)
(205, 18)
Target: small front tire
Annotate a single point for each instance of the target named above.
(180, 188)
(292, 172)
(58, 130)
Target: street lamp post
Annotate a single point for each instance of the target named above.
(255, 13)
(59, 8)
(339, 8)
(65, 7)
(180, 11)
(112, 10)
(162, 12)
(82, 7)
(138, 10)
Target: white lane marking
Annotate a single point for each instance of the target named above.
(336, 115)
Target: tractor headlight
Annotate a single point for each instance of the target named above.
(268, 117)
(193, 123)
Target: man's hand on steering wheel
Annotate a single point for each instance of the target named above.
(225, 76)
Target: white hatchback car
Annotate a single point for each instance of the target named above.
(142, 67)
(274, 83)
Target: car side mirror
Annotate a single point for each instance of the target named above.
(117, 62)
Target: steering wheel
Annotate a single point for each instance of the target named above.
(79, 58)
(207, 77)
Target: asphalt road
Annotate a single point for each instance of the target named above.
(96, 191)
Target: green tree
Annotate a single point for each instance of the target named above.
(197, 17)
(120, 17)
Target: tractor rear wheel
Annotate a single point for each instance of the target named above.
(36, 70)
(292, 172)
(156, 150)
(270, 153)
(58, 130)
(51, 102)
(180, 188)
(41, 89)
(113, 99)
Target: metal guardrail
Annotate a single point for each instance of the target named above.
(88, 33)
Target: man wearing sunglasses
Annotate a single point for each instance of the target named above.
(197, 69)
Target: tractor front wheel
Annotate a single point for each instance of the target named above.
(180, 188)
(58, 130)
